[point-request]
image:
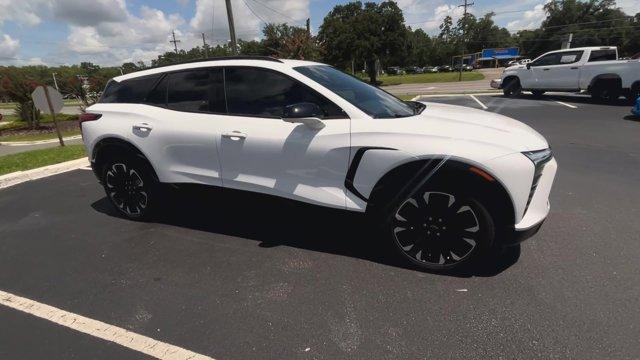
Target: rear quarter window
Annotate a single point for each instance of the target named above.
(129, 91)
(603, 55)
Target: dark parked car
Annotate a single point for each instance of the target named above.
(395, 70)
(414, 70)
(430, 69)
(445, 68)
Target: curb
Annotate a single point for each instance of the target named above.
(38, 142)
(19, 177)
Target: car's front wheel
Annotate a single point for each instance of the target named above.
(130, 187)
(512, 87)
(440, 229)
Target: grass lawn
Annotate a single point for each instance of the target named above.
(405, 97)
(38, 158)
(36, 137)
(14, 123)
(428, 78)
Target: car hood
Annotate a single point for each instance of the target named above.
(468, 124)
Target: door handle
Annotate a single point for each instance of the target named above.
(574, 68)
(545, 69)
(144, 127)
(234, 135)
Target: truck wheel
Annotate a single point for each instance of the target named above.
(537, 93)
(605, 92)
(439, 229)
(512, 88)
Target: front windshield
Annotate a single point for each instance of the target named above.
(373, 101)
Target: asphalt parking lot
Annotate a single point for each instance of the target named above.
(237, 276)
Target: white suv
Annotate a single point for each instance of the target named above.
(447, 183)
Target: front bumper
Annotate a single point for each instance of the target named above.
(515, 237)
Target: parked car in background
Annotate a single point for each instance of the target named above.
(445, 68)
(594, 69)
(395, 70)
(467, 67)
(413, 70)
(446, 185)
(430, 69)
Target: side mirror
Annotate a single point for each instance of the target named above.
(304, 113)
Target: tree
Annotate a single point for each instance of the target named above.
(369, 31)
(17, 85)
(291, 42)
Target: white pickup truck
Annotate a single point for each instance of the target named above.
(596, 70)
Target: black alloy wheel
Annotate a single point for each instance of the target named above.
(129, 188)
(512, 88)
(441, 231)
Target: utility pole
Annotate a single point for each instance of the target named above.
(174, 41)
(206, 48)
(55, 83)
(232, 28)
(567, 43)
(309, 26)
(464, 33)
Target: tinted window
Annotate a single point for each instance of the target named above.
(158, 96)
(570, 57)
(196, 91)
(260, 92)
(603, 55)
(373, 101)
(128, 91)
(551, 59)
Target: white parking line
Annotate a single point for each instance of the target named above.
(98, 329)
(565, 104)
(484, 107)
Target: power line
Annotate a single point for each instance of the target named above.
(277, 12)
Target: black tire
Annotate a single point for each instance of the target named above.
(512, 88)
(537, 93)
(131, 187)
(605, 93)
(440, 229)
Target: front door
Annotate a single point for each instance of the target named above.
(261, 152)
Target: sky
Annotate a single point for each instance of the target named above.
(111, 32)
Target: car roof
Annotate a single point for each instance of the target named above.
(261, 61)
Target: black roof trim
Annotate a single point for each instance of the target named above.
(219, 58)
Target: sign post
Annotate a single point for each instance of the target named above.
(49, 101)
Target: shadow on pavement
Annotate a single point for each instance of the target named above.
(279, 222)
(576, 99)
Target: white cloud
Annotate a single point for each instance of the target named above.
(429, 14)
(23, 12)
(83, 13)
(8, 47)
(530, 19)
(630, 7)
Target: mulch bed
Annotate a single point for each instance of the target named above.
(47, 128)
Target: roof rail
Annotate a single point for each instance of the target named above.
(220, 58)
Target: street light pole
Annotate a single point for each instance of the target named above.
(464, 33)
(55, 82)
(232, 29)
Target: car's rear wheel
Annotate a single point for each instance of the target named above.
(440, 229)
(538, 93)
(512, 87)
(130, 187)
(606, 92)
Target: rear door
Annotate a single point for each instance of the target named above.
(261, 152)
(181, 131)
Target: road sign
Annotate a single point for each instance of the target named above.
(41, 103)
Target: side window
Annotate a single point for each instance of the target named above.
(196, 91)
(158, 96)
(550, 59)
(265, 93)
(603, 55)
(128, 91)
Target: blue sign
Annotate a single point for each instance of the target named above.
(501, 52)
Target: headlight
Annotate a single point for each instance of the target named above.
(539, 157)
